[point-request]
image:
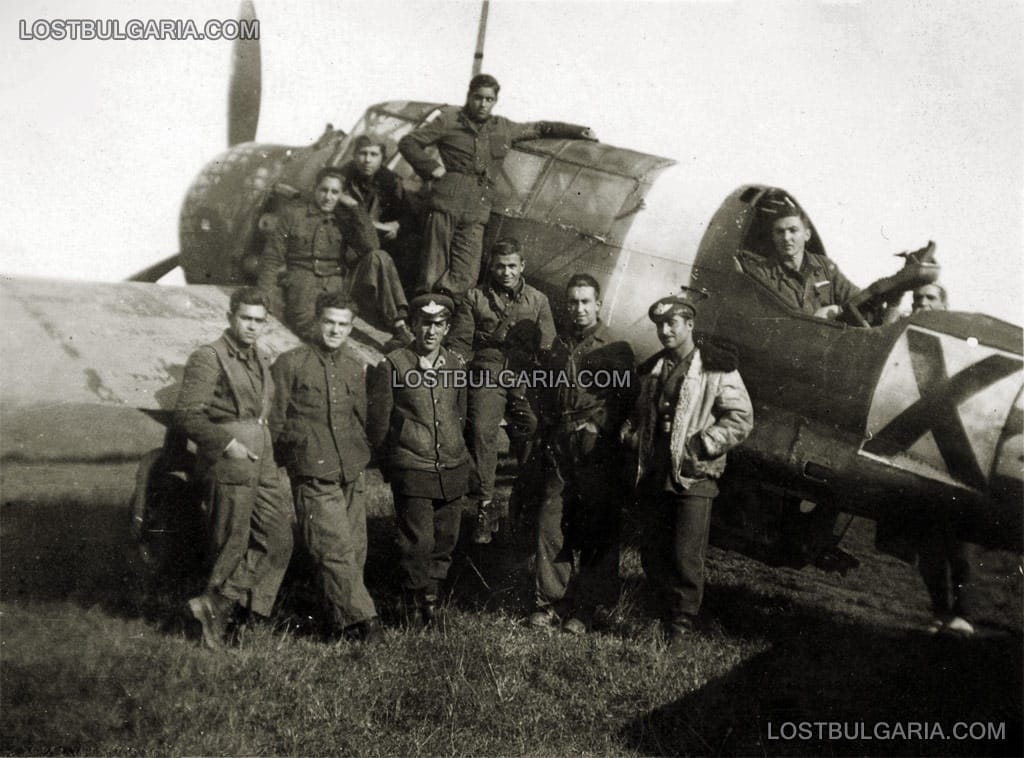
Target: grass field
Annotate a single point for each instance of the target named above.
(97, 661)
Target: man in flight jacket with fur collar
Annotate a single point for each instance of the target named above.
(691, 409)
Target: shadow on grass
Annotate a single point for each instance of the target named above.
(870, 681)
(83, 553)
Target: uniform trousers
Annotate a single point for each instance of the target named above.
(428, 530)
(947, 566)
(487, 407)
(332, 521)
(675, 529)
(579, 510)
(377, 289)
(451, 253)
(373, 283)
(301, 290)
(249, 528)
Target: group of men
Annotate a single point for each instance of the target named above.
(429, 413)
(354, 235)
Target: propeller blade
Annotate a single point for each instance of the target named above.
(157, 270)
(481, 33)
(244, 90)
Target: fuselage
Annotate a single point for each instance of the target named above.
(927, 408)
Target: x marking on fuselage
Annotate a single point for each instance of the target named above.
(936, 410)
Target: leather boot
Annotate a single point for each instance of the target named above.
(213, 611)
(486, 522)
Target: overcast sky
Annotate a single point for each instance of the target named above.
(891, 122)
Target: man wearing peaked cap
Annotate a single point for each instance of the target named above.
(690, 410)
(415, 420)
(685, 304)
(431, 307)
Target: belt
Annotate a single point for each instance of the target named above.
(482, 179)
(319, 266)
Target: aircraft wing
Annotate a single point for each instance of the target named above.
(80, 360)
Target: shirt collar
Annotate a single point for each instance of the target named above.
(808, 266)
(514, 294)
(591, 331)
(676, 358)
(476, 126)
(326, 355)
(236, 350)
(423, 362)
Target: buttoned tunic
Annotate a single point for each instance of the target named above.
(418, 427)
(318, 418)
(318, 421)
(308, 238)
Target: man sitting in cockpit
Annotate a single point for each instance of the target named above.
(805, 281)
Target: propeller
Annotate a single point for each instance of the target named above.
(244, 89)
(481, 33)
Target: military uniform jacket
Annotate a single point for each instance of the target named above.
(818, 283)
(318, 417)
(381, 196)
(418, 427)
(472, 154)
(303, 236)
(223, 383)
(494, 330)
(712, 415)
(586, 398)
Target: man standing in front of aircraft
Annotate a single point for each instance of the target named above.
(223, 407)
(691, 409)
(805, 281)
(581, 491)
(318, 425)
(472, 145)
(416, 417)
(947, 564)
(500, 329)
(329, 244)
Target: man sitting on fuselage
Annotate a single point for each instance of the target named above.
(321, 248)
(805, 281)
(379, 191)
